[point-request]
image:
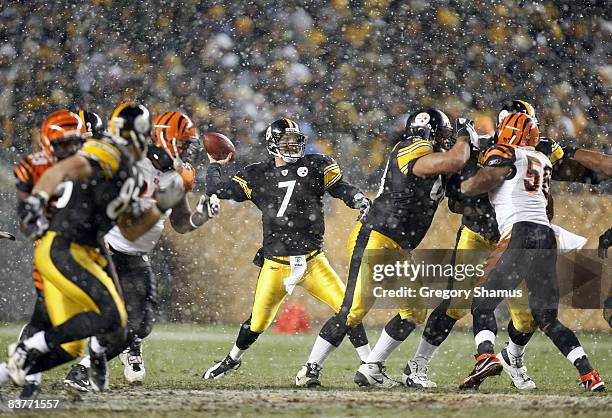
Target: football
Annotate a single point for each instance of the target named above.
(218, 145)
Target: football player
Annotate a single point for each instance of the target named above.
(81, 296)
(478, 231)
(175, 137)
(288, 189)
(412, 186)
(61, 137)
(517, 178)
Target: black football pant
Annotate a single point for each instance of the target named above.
(529, 254)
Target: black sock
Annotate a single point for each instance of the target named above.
(485, 347)
(53, 358)
(583, 365)
(399, 329)
(438, 327)
(358, 336)
(246, 337)
(518, 337)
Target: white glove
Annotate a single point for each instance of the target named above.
(169, 195)
(361, 202)
(207, 208)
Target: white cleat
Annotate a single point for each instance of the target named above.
(415, 374)
(309, 376)
(133, 367)
(516, 369)
(373, 374)
(16, 364)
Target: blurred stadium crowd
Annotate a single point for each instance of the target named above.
(348, 71)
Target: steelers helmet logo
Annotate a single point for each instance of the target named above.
(141, 124)
(302, 171)
(422, 119)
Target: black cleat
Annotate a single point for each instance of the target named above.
(30, 390)
(78, 378)
(222, 368)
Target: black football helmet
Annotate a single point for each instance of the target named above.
(289, 151)
(516, 106)
(432, 125)
(92, 122)
(130, 123)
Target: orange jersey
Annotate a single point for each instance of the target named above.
(30, 169)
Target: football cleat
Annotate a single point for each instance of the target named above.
(78, 378)
(415, 374)
(592, 382)
(222, 368)
(309, 376)
(133, 366)
(30, 390)
(98, 372)
(20, 361)
(516, 369)
(373, 374)
(487, 364)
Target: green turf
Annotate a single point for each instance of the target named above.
(177, 355)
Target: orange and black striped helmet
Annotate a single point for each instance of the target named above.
(519, 130)
(61, 126)
(173, 132)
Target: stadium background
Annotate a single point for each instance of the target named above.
(348, 71)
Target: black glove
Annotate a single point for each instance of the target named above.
(34, 223)
(361, 202)
(605, 240)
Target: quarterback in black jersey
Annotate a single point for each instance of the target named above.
(412, 186)
(288, 189)
(81, 295)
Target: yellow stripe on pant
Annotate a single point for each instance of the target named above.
(518, 307)
(319, 280)
(362, 298)
(63, 298)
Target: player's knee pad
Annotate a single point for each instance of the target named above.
(399, 329)
(438, 326)
(246, 336)
(546, 319)
(334, 330)
(358, 336)
(457, 314)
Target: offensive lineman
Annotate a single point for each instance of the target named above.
(412, 186)
(288, 189)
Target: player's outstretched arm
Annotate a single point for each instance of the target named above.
(235, 188)
(593, 160)
(444, 162)
(76, 167)
(485, 180)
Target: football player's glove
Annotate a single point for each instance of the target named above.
(605, 240)
(207, 208)
(34, 223)
(465, 127)
(361, 202)
(169, 195)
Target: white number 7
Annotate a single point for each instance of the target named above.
(289, 185)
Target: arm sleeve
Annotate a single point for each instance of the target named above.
(336, 185)
(237, 188)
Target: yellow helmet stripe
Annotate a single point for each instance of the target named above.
(116, 112)
(530, 109)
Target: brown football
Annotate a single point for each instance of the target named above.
(218, 145)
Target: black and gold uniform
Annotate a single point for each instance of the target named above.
(81, 296)
(290, 198)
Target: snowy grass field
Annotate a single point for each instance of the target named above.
(177, 355)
